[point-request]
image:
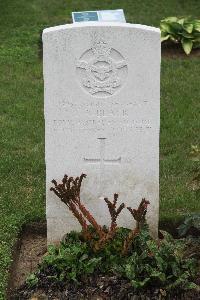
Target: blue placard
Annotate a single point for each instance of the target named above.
(116, 15)
(85, 16)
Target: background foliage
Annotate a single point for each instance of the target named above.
(185, 31)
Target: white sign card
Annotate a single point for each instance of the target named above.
(116, 15)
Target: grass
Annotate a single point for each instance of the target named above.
(22, 197)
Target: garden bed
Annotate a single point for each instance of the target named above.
(171, 50)
(29, 251)
(100, 287)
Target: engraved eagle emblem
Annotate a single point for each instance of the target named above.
(101, 68)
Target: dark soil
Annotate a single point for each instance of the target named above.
(28, 253)
(97, 287)
(171, 50)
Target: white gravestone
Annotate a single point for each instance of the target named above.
(102, 118)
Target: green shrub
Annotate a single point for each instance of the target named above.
(129, 253)
(181, 30)
(191, 222)
(69, 261)
(149, 263)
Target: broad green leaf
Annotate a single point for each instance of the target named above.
(83, 257)
(197, 26)
(139, 284)
(196, 45)
(32, 279)
(188, 27)
(187, 45)
(196, 222)
(176, 27)
(187, 35)
(52, 249)
(159, 275)
(171, 19)
(182, 229)
(181, 21)
(196, 35)
(166, 235)
(175, 40)
(164, 36)
(193, 286)
(166, 28)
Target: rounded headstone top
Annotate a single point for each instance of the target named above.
(100, 24)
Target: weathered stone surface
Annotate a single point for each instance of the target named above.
(102, 97)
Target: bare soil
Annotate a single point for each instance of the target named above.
(171, 50)
(27, 253)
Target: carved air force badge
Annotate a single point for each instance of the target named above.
(102, 70)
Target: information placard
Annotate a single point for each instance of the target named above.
(116, 15)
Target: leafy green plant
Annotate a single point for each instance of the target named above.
(160, 265)
(150, 263)
(184, 30)
(69, 261)
(130, 253)
(191, 222)
(32, 280)
(192, 247)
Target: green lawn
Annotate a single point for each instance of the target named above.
(22, 196)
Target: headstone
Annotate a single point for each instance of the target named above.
(102, 98)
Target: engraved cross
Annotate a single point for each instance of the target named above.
(102, 161)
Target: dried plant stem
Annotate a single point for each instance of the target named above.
(91, 219)
(69, 193)
(78, 216)
(139, 216)
(129, 239)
